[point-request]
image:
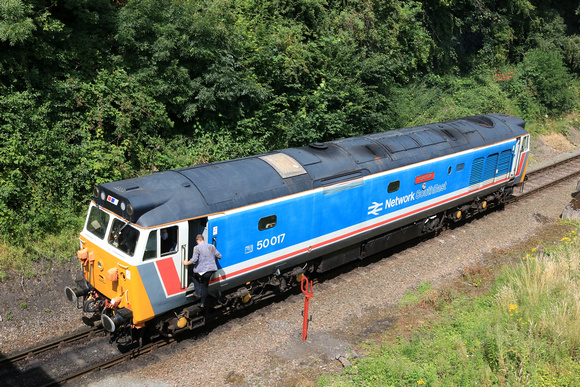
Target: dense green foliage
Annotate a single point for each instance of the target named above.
(524, 332)
(97, 90)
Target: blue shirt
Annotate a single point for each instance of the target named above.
(204, 256)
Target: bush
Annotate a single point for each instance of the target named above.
(57, 146)
(441, 98)
(543, 85)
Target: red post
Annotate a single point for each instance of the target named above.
(305, 284)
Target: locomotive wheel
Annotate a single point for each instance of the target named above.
(90, 305)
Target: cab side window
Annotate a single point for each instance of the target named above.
(167, 238)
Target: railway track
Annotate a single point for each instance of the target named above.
(37, 366)
(548, 176)
(28, 365)
(113, 361)
(55, 344)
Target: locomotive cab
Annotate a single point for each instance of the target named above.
(114, 253)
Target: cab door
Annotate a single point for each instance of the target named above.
(168, 247)
(522, 146)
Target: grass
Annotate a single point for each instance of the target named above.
(524, 330)
(37, 255)
(413, 297)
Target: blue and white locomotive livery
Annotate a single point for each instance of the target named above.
(277, 216)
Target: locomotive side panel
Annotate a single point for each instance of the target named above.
(261, 238)
(309, 225)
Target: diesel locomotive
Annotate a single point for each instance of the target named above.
(281, 215)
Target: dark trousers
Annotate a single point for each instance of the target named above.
(201, 283)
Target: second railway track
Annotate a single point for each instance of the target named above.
(549, 175)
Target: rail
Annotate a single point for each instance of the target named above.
(50, 345)
(548, 175)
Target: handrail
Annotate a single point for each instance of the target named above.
(183, 268)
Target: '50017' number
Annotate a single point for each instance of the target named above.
(270, 241)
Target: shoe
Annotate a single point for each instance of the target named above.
(192, 296)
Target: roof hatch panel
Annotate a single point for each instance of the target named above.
(285, 165)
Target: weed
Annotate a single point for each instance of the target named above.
(424, 287)
(24, 261)
(410, 298)
(475, 276)
(23, 305)
(424, 290)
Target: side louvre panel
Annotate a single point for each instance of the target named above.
(476, 171)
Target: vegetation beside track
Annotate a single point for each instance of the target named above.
(523, 330)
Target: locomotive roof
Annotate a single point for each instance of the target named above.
(171, 196)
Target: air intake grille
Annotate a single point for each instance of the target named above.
(476, 171)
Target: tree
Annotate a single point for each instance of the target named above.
(41, 40)
(187, 53)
